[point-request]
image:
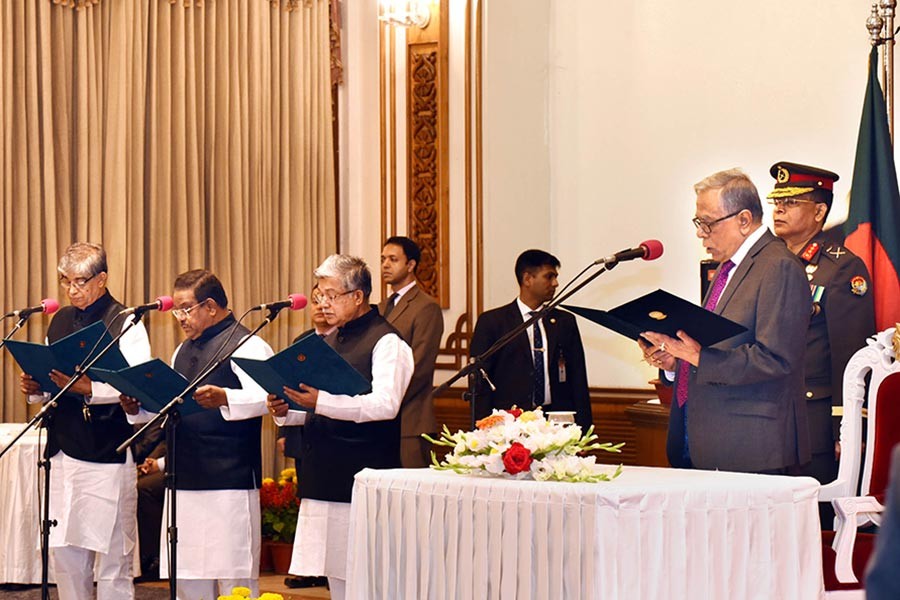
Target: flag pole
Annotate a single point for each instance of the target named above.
(887, 12)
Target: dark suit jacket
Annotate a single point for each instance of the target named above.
(746, 407)
(512, 368)
(418, 318)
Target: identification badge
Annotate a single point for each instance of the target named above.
(562, 369)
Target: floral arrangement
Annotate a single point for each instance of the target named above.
(279, 506)
(524, 444)
(243, 593)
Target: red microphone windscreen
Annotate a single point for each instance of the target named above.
(298, 301)
(654, 249)
(165, 303)
(50, 305)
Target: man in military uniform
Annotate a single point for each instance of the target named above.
(843, 312)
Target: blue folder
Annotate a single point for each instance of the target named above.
(65, 354)
(311, 361)
(154, 383)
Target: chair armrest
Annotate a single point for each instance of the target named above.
(848, 511)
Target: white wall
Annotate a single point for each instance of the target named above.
(642, 99)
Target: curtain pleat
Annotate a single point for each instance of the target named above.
(179, 135)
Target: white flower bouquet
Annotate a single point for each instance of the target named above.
(524, 444)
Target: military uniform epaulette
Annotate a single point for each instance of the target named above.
(836, 251)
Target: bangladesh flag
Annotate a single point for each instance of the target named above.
(873, 225)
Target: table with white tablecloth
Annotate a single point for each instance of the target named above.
(653, 533)
(20, 517)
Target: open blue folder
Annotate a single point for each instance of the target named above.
(65, 354)
(154, 383)
(311, 361)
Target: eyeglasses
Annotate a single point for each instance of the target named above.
(706, 226)
(80, 283)
(787, 203)
(329, 298)
(182, 313)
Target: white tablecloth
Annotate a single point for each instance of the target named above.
(20, 557)
(652, 533)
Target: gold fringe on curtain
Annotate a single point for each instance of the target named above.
(290, 5)
(334, 39)
(189, 3)
(76, 3)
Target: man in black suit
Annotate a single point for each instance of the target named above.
(543, 366)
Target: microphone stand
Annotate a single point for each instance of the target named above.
(45, 416)
(475, 369)
(170, 417)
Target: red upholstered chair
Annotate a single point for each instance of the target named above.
(858, 502)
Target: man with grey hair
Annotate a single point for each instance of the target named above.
(93, 495)
(344, 434)
(738, 403)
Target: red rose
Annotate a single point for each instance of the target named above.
(517, 458)
(515, 412)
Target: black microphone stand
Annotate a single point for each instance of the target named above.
(475, 369)
(45, 416)
(169, 416)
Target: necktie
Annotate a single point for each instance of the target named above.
(390, 305)
(538, 352)
(684, 367)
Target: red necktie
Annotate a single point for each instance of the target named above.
(684, 367)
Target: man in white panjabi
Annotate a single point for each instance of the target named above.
(92, 487)
(217, 451)
(344, 434)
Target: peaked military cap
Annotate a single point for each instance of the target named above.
(792, 180)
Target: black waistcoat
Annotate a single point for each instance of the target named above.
(95, 440)
(210, 452)
(334, 451)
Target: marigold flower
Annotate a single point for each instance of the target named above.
(490, 421)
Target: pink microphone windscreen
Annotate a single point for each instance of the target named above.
(654, 249)
(298, 301)
(165, 303)
(50, 305)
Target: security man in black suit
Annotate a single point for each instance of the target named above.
(541, 367)
(843, 312)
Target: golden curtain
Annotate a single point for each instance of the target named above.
(179, 135)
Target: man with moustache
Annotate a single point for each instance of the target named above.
(739, 404)
(417, 316)
(543, 366)
(92, 487)
(843, 312)
(217, 451)
(344, 434)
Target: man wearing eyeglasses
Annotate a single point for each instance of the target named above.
(344, 434)
(843, 312)
(92, 487)
(738, 404)
(217, 451)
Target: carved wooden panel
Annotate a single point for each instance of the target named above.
(427, 203)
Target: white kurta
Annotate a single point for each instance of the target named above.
(95, 504)
(219, 530)
(320, 543)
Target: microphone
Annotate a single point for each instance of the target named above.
(648, 250)
(162, 304)
(47, 305)
(293, 302)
